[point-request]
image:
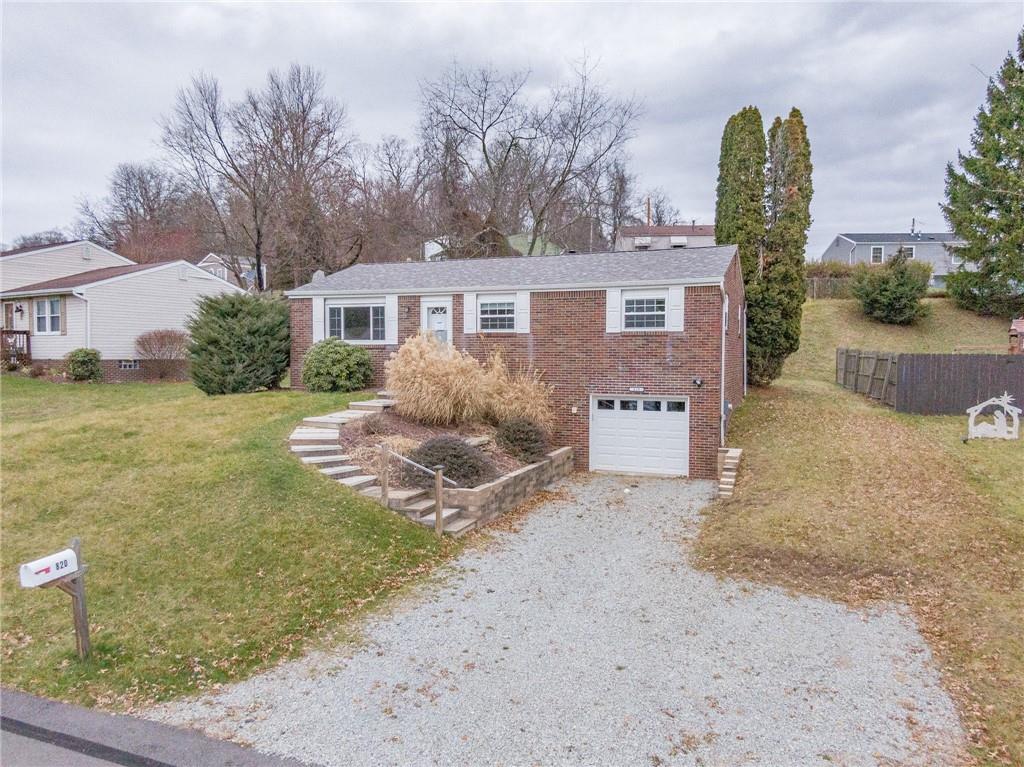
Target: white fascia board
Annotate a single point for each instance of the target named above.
(847, 238)
(48, 248)
(704, 281)
(201, 273)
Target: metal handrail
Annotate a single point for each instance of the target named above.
(451, 482)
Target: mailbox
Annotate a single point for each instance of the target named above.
(42, 571)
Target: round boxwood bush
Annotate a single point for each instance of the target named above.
(522, 438)
(333, 365)
(84, 365)
(462, 462)
(239, 343)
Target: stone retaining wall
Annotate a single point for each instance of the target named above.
(488, 501)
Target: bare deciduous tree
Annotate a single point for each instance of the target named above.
(40, 239)
(662, 211)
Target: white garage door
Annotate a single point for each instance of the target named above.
(642, 435)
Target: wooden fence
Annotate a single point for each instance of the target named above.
(829, 287)
(930, 384)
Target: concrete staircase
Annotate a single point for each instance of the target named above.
(316, 443)
(729, 461)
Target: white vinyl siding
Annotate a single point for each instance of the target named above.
(49, 264)
(54, 347)
(125, 308)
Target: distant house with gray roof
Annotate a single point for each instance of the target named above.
(874, 248)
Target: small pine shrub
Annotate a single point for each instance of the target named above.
(84, 365)
(892, 293)
(239, 343)
(333, 365)
(510, 396)
(435, 383)
(38, 370)
(163, 350)
(463, 463)
(522, 438)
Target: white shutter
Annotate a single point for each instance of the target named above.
(675, 308)
(318, 318)
(523, 311)
(613, 310)
(391, 320)
(469, 312)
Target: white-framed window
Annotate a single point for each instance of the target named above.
(356, 323)
(877, 254)
(908, 251)
(955, 260)
(497, 314)
(644, 310)
(47, 316)
(129, 364)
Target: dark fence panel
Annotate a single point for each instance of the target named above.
(948, 384)
(870, 373)
(829, 287)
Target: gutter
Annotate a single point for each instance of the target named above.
(721, 372)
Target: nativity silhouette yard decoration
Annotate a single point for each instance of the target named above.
(1004, 423)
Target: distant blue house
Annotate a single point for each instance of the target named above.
(935, 248)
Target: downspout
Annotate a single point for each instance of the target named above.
(88, 318)
(721, 373)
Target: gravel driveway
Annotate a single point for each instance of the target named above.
(587, 638)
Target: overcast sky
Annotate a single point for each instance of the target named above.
(889, 92)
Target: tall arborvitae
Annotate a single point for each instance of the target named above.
(764, 193)
(985, 199)
(739, 210)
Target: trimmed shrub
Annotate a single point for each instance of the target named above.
(828, 269)
(522, 438)
(240, 343)
(164, 350)
(333, 365)
(892, 293)
(38, 370)
(84, 365)
(510, 396)
(435, 383)
(462, 462)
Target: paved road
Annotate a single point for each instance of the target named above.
(36, 732)
(588, 638)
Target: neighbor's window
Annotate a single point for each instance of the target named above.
(48, 315)
(129, 364)
(907, 251)
(877, 254)
(497, 315)
(956, 260)
(356, 323)
(643, 313)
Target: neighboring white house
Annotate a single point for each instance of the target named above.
(676, 236)
(875, 248)
(107, 309)
(224, 267)
(26, 266)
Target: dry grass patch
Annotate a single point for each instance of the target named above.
(843, 498)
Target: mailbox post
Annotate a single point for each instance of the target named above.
(66, 571)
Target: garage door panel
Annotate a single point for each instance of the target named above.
(650, 439)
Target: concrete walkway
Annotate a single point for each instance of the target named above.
(588, 638)
(35, 733)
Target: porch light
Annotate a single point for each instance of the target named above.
(19, 309)
(698, 382)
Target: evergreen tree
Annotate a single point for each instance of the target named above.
(985, 199)
(763, 206)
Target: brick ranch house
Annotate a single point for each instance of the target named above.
(645, 350)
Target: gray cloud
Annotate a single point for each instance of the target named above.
(889, 91)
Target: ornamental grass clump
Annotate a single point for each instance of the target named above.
(435, 383)
(515, 395)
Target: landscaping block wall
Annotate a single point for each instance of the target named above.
(488, 501)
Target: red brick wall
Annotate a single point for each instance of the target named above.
(569, 345)
(301, 327)
(112, 372)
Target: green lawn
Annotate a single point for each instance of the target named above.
(843, 497)
(212, 551)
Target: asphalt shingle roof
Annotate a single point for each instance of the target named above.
(907, 237)
(574, 270)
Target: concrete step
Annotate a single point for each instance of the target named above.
(336, 472)
(399, 499)
(418, 508)
(460, 526)
(359, 481)
(323, 461)
(446, 516)
(314, 437)
(373, 405)
(332, 420)
(314, 449)
(385, 394)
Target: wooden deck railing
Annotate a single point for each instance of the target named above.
(16, 345)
